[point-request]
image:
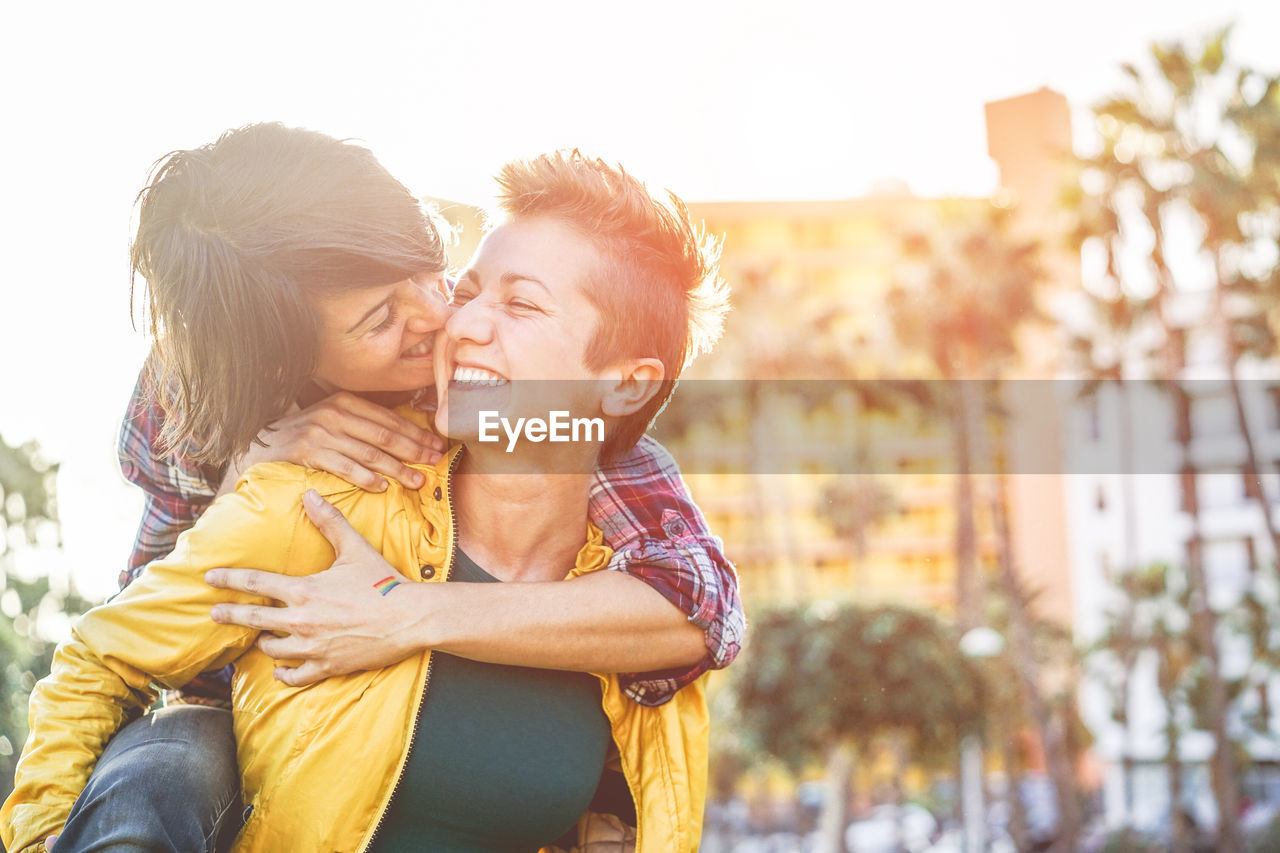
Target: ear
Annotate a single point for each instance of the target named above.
(631, 385)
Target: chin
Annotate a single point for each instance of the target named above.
(402, 383)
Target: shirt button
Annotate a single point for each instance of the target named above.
(427, 572)
(437, 494)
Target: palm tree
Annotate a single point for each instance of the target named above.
(973, 291)
(1195, 145)
(1112, 345)
(1052, 728)
(782, 348)
(854, 505)
(967, 296)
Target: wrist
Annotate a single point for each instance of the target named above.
(425, 608)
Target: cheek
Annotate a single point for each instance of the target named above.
(383, 349)
(341, 362)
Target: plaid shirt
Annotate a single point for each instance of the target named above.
(640, 503)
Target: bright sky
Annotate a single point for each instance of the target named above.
(717, 100)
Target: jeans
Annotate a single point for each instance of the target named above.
(166, 782)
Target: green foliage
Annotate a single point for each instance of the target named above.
(854, 505)
(29, 514)
(827, 673)
(1197, 142)
(1131, 841)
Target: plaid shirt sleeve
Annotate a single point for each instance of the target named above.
(642, 505)
(177, 492)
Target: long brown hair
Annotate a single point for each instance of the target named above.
(233, 238)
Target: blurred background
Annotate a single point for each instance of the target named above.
(1007, 633)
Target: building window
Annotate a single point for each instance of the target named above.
(1213, 416)
(1221, 488)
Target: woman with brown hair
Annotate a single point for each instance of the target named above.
(283, 265)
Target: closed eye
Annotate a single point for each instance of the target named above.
(387, 322)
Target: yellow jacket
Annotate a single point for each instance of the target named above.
(318, 764)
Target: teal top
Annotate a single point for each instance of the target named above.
(505, 758)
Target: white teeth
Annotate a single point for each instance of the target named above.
(421, 349)
(476, 376)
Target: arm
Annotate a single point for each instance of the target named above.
(347, 436)
(659, 536)
(337, 621)
(176, 489)
(157, 630)
(672, 602)
(343, 434)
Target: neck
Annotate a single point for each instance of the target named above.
(519, 526)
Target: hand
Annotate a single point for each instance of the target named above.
(348, 437)
(339, 621)
(48, 843)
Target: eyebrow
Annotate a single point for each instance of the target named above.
(364, 319)
(507, 279)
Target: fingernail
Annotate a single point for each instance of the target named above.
(216, 613)
(418, 480)
(311, 498)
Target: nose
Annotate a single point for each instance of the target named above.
(470, 322)
(429, 309)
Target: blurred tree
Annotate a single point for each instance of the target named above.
(28, 518)
(1112, 346)
(1190, 165)
(1113, 659)
(783, 357)
(1050, 645)
(1109, 347)
(1037, 645)
(1151, 616)
(963, 299)
(825, 682)
(854, 505)
(1255, 619)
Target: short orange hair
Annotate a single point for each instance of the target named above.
(660, 294)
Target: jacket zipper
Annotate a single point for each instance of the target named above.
(426, 681)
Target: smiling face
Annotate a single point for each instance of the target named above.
(381, 338)
(520, 313)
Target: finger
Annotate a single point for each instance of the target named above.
(371, 458)
(250, 616)
(340, 465)
(416, 446)
(287, 647)
(379, 425)
(325, 516)
(300, 676)
(437, 446)
(265, 584)
(48, 843)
